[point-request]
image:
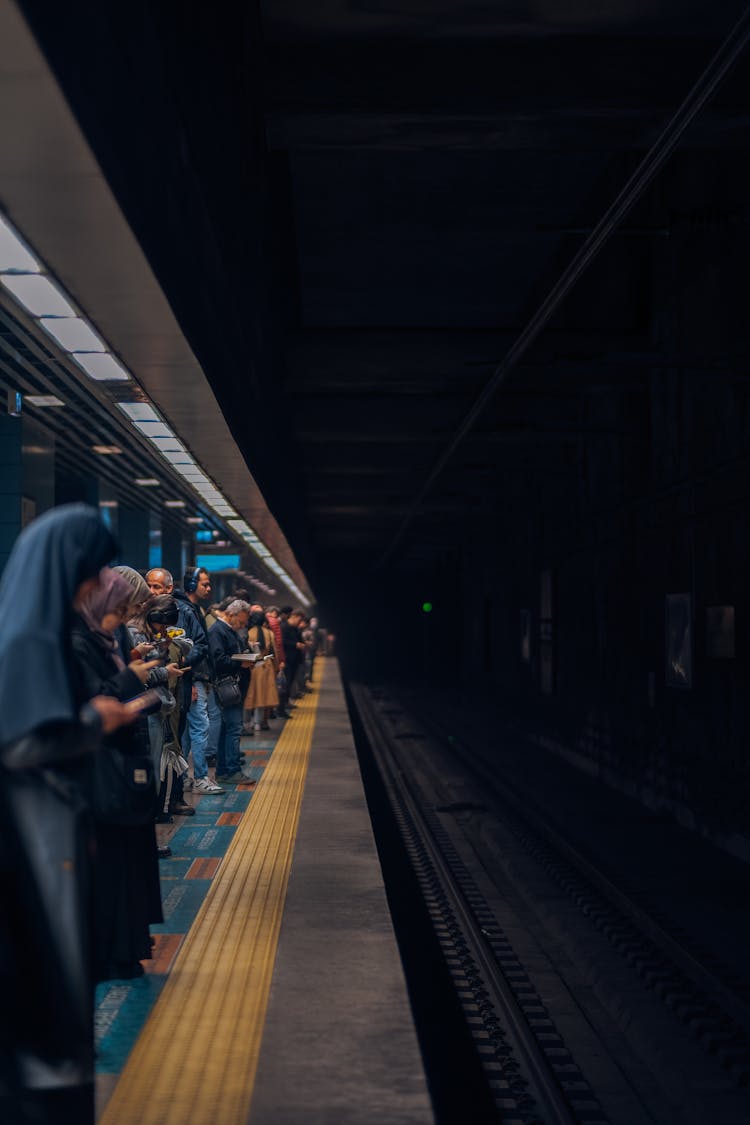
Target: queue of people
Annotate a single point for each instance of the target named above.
(138, 681)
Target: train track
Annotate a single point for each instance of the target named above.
(531, 1072)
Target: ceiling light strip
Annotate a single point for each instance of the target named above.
(27, 280)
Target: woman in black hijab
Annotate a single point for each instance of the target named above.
(46, 1014)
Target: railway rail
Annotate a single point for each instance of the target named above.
(535, 1063)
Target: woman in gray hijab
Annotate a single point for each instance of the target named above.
(46, 736)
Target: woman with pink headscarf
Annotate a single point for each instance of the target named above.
(126, 878)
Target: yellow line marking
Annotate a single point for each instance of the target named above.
(196, 1058)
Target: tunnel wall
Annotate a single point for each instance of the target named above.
(651, 503)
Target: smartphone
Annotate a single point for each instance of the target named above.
(147, 703)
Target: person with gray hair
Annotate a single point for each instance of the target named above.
(223, 644)
(141, 590)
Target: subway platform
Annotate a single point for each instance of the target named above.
(276, 994)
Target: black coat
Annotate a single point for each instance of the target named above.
(126, 876)
(95, 671)
(291, 636)
(223, 643)
(45, 827)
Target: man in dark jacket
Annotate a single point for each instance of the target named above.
(293, 650)
(224, 643)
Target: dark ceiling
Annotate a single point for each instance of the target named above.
(355, 208)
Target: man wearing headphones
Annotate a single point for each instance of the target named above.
(197, 589)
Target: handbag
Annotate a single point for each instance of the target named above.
(227, 691)
(123, 791)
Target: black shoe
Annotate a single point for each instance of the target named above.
(163, 818)
(181, 809)
(163, 852)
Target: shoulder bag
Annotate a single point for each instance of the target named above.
(227, 691)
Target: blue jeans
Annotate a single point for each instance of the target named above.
(196, 734)
(228, 756)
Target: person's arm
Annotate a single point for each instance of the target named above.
(90, 680)
(56, 743)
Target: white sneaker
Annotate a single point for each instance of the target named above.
(206, 785)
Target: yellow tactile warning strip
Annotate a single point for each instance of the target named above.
(195, 1060)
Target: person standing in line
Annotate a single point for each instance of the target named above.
(308, 639)
(225, 643)
(314, 627)
(198, 682)
(214, 711)
(160, 582)
(293, 649)
(262, 693)
(127, 896)
(274, 624)
(148, 630)
(48, 740)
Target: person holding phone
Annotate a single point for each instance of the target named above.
(127, 896)
(48, 738)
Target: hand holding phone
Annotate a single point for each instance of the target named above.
(145, 704)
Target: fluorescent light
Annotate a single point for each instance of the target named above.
(73, 334)
(147, 482)
(37, 294)
(153, 429)
(108, 504)
(168, 444)
(14, 253)
(181, 457)
(174, 503)
(194, 519)
(139, 411)
(188, 470)
(102, 366)
(106, 450)
(43, 400)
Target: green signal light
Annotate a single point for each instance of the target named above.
(426, 607)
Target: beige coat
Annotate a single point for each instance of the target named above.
(262, 690)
